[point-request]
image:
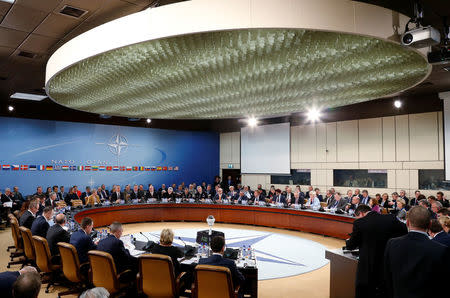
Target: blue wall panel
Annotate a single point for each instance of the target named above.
(55, 143)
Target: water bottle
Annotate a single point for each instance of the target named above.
(244, 251)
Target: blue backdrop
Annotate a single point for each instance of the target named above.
(188, 156)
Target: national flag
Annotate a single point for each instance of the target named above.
(176, 168)
(6, 167)
(57, 168)
(80, 168)
(164, 168)
(41, 167)
(24, 167)
(159, 168)
(15, 167)
(115, 168)
(49, 168)
(95, 168)
(65, 168)
(147, 168)
(170, 168)
(122, 168)
(135, 168)
(73, 168)
(153, 168)
(32, 168)
(102, 168)
(109, 168)
(87, 168)
(129, 168)
(141, 168)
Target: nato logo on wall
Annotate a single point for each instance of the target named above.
(47, 153)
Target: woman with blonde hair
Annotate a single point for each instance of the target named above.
(445, 223)
(401, 214)
(165, 247)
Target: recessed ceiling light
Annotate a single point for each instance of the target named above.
(397, 104)
(28, 96)
(10, 108)
(313, 115)
(252, 121)
(149, 120)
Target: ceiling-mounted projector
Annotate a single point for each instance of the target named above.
(421, 37)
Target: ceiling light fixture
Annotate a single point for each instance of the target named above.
(149, 120)
(397, 104)
(314, 115)
(28, 96)
(252, 121)
(10, 108)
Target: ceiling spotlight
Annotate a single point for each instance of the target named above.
(10, 108)
(252, 121)
(314, 115)
(398, 104)
(149, 120)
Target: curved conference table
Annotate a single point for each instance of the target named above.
(323, 223)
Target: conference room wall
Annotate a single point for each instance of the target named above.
(401, 145)
(57, 143)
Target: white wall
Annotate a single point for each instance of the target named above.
(399, 144)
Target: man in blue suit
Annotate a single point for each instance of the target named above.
(82, 241)
(8, 278)
(40, 224)
(217, 259)
(279, 198)
(114, 246)
(437, 232)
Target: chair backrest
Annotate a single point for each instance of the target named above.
(28, 245)
(76, 203)
(323, 204)
(157, 277)
(213, 281)
(43, 256)
(16, 233)
(103, 270)
(70, 262)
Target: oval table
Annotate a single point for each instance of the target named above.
(324, 223)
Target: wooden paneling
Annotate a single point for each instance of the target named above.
(301, 220)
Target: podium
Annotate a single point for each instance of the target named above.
(342, 273)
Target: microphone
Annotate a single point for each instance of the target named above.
(179, 238)
(144, 236)
(149, 245)
(189, 251)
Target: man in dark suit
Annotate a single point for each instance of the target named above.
(51, 201)
(365, 197)
(337, 202)
(258, 197)
(217, 259)
(56, 233)
(232, 194)
(17, 198)
(8, 278)
(61, 194)
(371, 231)
(82, 241)
(414, 265)
(105, 191)
(279, 198)
(114, 246)
(27, 218)
(40, 225)
(438, 234)
(85, 194)
(318, 195)
(117, 196)
(220, 196)
(151, 193)
(135, 194)
(162, 190)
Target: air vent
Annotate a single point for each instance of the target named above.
(72, 11)
(26, 54)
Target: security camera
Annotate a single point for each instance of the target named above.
(421, 37)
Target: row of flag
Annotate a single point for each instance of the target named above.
(84, 168)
